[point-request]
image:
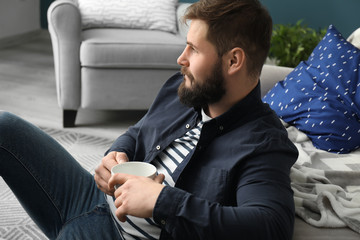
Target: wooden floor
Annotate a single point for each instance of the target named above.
(27, 88)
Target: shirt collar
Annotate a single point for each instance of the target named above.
(204, 117)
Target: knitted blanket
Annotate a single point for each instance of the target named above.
(326, 185)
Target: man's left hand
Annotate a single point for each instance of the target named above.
(137, 195)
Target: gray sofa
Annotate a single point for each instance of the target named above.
(109, 68)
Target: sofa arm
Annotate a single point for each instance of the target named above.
(65, 30)
(270, 75)
(180, 11)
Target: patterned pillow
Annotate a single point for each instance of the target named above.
(321, 96)
(141, 14)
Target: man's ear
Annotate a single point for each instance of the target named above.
(235, 60)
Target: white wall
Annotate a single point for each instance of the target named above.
(19, 17)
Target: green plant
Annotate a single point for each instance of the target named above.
(293, 43)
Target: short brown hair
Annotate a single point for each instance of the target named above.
(236, 23)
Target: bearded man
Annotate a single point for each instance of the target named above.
(222, 156)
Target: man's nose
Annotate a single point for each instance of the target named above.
(182, 59)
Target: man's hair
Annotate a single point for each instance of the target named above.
(236, 23)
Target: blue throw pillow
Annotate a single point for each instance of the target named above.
(321, 96)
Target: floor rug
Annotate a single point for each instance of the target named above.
(15, 224)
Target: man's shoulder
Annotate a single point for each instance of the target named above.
(261, 127)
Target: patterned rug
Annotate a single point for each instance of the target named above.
(15, 224)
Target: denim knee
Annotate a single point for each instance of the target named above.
(6, 118)
(8, 129)
(14, 131)
(7, 126)
(5, 122)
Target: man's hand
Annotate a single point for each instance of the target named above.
(103, 171)
(136, 196)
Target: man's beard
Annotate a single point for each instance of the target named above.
(199, 95)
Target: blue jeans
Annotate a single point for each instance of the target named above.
(58, 194)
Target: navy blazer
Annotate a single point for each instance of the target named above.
(234, 185)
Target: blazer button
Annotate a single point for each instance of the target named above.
(187, 126)
(221, 128)
(158, 147)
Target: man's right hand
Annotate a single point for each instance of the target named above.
(103, 171)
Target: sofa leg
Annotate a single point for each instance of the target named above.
(69, 118)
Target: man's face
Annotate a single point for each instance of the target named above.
(202, 69)
(200, 94)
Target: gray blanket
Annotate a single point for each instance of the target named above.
(326, 185)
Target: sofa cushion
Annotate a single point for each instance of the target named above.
(143, 14)
(321, 95)
(130, 48)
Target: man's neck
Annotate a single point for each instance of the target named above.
(232, 97)
(217, 109)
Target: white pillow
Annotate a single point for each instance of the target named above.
(354, 38)
(140, 14)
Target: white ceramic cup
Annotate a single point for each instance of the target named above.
(135, 168)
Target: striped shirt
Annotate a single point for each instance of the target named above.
(166, 163)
